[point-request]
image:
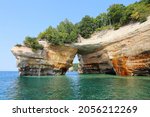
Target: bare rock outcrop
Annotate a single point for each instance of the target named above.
(52, 60)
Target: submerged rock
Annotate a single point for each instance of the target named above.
(52, 60)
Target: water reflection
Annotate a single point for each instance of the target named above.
(75, 86)
(43, 88)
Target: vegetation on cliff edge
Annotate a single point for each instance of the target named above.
(65, 33)
(117, 15)
(32, 43)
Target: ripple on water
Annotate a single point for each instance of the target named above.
(73, 86)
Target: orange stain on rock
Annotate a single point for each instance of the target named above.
(119, 65)
(135, 63)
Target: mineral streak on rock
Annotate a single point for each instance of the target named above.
(52, 60)
(125, 51)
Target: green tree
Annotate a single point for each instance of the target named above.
(51, 35)
(116, 12)
(126, 18)
(138, 11)
(117, 15)
(102, 20)
(68, 31)
(146, 1)
(86, 26)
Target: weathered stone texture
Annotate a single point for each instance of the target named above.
(125, 51)
(52, 60)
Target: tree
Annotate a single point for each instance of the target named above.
(102, 20)
(86, 26)
(50, 34)
(68, 31)
(137, 12)
(117, 15)
(146, 1)
(116, 12)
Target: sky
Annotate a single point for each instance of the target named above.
(21, 18)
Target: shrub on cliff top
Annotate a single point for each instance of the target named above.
(32, 43)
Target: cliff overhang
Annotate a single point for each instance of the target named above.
(124, 52)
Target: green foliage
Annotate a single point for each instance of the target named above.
(138, 11)
(66, 32)
(86, 26)
(116, 26)
(102, 20)
(104, 28)
(18, 45)
(116, 12)
(146, 1)
(75, 67)
(32, 43)
(117, 15)
(51, 35)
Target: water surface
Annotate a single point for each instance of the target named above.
(73, 86)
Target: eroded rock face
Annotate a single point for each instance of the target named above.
(125, 52)
(96, 62)
(52, 60)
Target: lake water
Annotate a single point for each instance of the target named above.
(73, 86)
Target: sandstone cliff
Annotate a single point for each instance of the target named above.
(51, 60)
(124, 52)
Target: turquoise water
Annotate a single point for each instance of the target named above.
(73, 86)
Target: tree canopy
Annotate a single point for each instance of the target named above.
(86, 26)
(117, 15)
(66, 32)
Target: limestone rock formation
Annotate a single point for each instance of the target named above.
(125, 52)
(52, 60)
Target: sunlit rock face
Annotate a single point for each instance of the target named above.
(52, 60)
(124, 52)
